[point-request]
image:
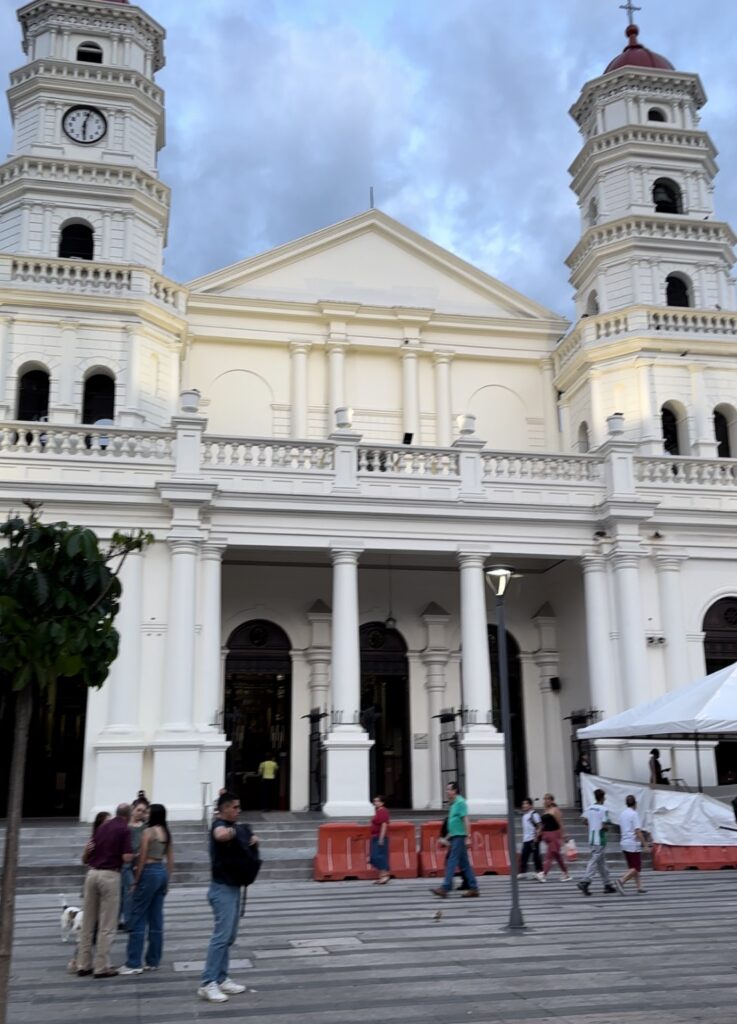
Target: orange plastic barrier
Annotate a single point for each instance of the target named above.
(432, 854)
(693, 858)
(402, 850)
(342, 852)
(489, 853)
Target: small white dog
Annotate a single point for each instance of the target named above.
(71, 919)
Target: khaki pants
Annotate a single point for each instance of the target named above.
(101, 906)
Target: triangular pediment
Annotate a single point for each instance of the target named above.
(371, 260)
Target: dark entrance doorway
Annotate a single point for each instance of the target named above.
(516, 708)
(385, 711)
(53, 780)
(720, 650)
(258, 712)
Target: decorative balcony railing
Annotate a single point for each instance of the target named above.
(247, 453)
(681, 471)
(44, 440)
(403, 461)
(503, 466)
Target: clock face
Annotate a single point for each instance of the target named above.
(84, 124)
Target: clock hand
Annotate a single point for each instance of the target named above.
(84, 126)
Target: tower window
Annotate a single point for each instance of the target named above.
(592, 304)
(98, 402)
(593, 213)
(656, 115)
(90, 53)
(583, 437)
(77, 242)
(674, 423)
(721, 433)
(677, 290)
(33, 396)
(667, 196)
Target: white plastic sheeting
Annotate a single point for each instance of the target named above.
(671, 816)
(707, 706)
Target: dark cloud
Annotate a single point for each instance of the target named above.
(282, 113)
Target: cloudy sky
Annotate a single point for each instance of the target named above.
(282, 113)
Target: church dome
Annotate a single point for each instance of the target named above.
(637, 55)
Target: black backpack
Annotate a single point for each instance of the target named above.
(238, 861)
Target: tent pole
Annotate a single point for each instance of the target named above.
(698, 762)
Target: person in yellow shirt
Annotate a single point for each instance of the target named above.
(268, 770)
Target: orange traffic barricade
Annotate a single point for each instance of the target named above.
(694, 858)
(342, 852)
(432, 853)
(489, 852)
(402, 850)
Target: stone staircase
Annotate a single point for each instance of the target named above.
(50, 849)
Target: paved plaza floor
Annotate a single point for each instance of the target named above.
(352, 952)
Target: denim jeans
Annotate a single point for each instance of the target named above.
(458, 858)
(147, 911)
(126, 893)
(225, 901)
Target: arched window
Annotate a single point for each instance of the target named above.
(654, 114)
(592, 214)
(667, 196)
(33, 396)
(90, 53)
(77, 241)
(725, 430)
(583, 437)
(678, 290)
(674, 421)
(98, 402)
(592, 304)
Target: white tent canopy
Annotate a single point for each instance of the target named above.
(703, 709)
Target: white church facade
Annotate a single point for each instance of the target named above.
(332, 440)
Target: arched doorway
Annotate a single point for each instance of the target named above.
(720, 650)
(258, 711)
(385, 711)
(53, 777)
(516, 707)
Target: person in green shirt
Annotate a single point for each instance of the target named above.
(458, 839)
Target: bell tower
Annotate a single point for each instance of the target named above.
(652, 270)
(88, 123)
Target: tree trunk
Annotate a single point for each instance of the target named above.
(23, 708)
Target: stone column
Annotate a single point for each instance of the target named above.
(482, 745)
(435, 658)
(63, 408)
(347, 745)
(7, 406)
(596, 427)
(704, 445)
(210, 640)
(336, 377)
(546, 659)
(410, 392)
(443, 407)
(119, 747)
(651, 436)
(672, 618)
(600, 654)
(130, 415)
(633, 665)
(318, 655)
(298, 420)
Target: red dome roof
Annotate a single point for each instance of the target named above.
(637, 55)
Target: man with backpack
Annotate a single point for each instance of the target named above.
(235, 863)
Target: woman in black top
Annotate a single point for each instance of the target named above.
(553, 835)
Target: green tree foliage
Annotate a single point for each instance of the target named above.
(59, 595)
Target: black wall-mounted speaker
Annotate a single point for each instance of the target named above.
(555, 684)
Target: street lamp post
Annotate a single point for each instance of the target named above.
(498, 578)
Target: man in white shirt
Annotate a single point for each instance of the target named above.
(597, 817)
(632, 841)
(531, 828)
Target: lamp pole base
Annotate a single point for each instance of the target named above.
(516, 924)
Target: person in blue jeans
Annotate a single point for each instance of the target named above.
(225, 898)
(136, 826)
(458, 840)
(153, 870)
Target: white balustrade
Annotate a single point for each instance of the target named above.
(510, 466)
(403, 461)
(258, 453)
(680, 471)
(83, 442)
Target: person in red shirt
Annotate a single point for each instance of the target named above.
(379, 856)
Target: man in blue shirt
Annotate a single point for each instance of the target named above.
(458, 839)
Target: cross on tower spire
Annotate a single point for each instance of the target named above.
(630, 8)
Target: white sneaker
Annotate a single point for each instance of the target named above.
(540, 876)
(211, 993)
(125, 970)
(566, 878)
(231, 987)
